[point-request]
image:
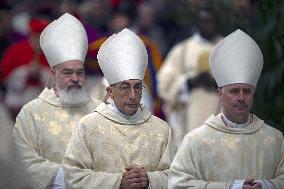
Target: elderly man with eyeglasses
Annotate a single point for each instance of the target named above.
(44, 125)
(120, 145)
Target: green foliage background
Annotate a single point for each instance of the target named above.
(266, 26)
(269, 97)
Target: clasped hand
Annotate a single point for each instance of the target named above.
(134, 177)
(250, 184)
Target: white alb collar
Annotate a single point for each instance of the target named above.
(235, 125)
(113, 107)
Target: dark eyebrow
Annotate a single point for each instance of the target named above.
(125, 83)
(248, 89)
(234, 89)
(140, 83)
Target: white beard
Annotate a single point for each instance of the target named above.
(73, 96)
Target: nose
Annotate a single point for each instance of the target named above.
(74, 77)
(241, 96)
(132, 94)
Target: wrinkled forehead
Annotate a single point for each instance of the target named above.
(130, 82)
(70, 64)
(238, 86)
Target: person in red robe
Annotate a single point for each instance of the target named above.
(24, 68)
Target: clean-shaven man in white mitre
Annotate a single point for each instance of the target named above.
(235, 149)
(120, 145)
(44, 125)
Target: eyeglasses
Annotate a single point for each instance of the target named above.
(125, 88)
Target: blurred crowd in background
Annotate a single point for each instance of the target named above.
(161, 24)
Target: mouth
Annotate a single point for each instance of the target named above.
(240, 107)
(74, 87)
(131, 105)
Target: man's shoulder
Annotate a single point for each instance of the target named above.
(32, 108)
(159, 123)
(20, 46)
(179, 46)
(158, 120)
(265, 128)
(95, 102)
(92, 117)
(201, 132)
(272, 131)
(36, 103)
(184, 42)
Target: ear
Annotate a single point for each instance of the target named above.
(109, 92)
(52, 73)
(49, 83)
(219, 93)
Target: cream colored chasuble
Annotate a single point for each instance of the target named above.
(214, 155)
(42, 132)
(105, 143)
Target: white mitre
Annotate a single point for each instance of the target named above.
(123, 56)
(64, 39)
(236, 59)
